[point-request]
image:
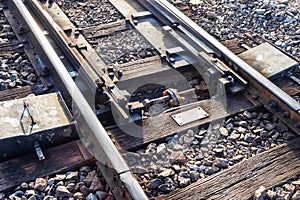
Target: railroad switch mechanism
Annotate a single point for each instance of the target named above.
(39, 120)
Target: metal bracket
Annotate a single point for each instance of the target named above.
(39, 151)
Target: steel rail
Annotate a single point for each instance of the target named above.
(98, 131)
(189, 27)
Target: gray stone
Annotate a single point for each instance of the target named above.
(260, 194)
(194, 176)
(209, 171)
(178, 147)
(183, 182)
(24, 186)
(249, 137)
(202, 132)
(90, 177)
(165, 173)
(271, 194)
(165, 188)
(48, 198)
(50, 181)
(207, 162)
(296, 196)
(260, 11)
(187, 139)
(84, 190)
(234, 135)
(18, 193)
(210, 15)
(199, 157)
(72, 176)
(243, 1)
(243, 124)
(184, 174)
(96, 185)
(218, 150)
(247, 114)
(241, 130)
(154, 183)
(223, 131)
(62, 191)
(71, 187)
(33, 197)
(221, 162)
(202, 168)
(289, 135)
(40, 184)
(101, 195)
(204, 142)
(269, 127)
(161, 149)
(78, 195)
(29, 192)
(60, 177)
(85, 169)
(177, 157)
(237, 157)
(91, 197)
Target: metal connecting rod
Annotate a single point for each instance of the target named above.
(186, 25)
(102, 139)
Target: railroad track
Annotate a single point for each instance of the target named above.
(165, 109)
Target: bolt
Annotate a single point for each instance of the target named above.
(172, 60)
(76, 33)
(111, 75)
(135, 22)
(110, 68)
(120, 73)
(99, 83)
(254, 96)
(80, 29)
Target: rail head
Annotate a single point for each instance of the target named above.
(97, 130)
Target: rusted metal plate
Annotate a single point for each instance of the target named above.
(189, 116)
(40, 113)
(268, 60)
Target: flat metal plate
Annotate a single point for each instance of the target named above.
(48, 111)
(268, 60)
(189, 116)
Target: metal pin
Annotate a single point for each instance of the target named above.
(39, 151)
